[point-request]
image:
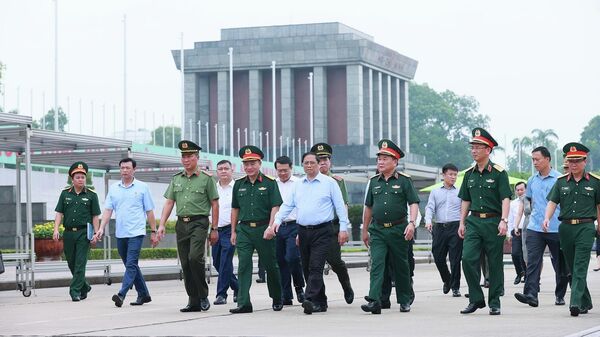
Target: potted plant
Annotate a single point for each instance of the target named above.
(46, 249)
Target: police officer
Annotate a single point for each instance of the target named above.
(334, 255)
(195, 193)
(255, 201)
(485, 192)
(578, 194)
(78, 205)
(386, 227)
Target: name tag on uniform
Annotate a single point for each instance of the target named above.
(589, 188)
(68, 198)
(489, 180)
(376, 187)
(262, 188)
(395, 186)
(242, 189)
(565, 188)
(471, 180)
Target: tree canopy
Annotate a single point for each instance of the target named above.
(590, 137)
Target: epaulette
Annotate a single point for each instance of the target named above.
(242, 177)
(67, 187)
(375, 176)
(206, 172)
(180, 172)
(404, 174)
(498, 167)
(471, 168)
(91, 190)
(338, 178)
(595, 175)
(269, 177)
(564, 175)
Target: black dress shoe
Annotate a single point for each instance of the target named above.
(583, 311)
(300, 294)
(532, 301)
(517, 280)
(191, 308)
(235, 297)
(559, 301)
(446, 288)
(319, 308)
(204, 304)
(575, 311)
(472, 307)
(84, 293)
(467, 295)
(141, 300)
(241, 310)
(220, 300)
(455, 293)
(373, 307)
(386, 304)
(308, 307)
(118, 300)
(494, 311)
(277, 305)
(486, 284)
(287, 302)
(75, 298)
(404, 307)
(349, 295)
(260, 280)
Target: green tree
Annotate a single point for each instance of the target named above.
(157, 135)
(441, 125)
(523, 146)
(590, 137)
(49, 120)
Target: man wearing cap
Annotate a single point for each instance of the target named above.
(334, 256)
(485, 193)
(578, 194)
(77, 205)
(195, 193)
(255, 201)
(386, 227)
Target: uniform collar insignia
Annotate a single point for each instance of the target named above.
(489, 168)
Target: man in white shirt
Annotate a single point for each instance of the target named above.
(288, 255)
(515, 231)
(223, 250)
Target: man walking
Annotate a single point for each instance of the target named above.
(132, 203)
(444, 205)
(515, 229)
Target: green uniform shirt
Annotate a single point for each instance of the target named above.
(342, 184)
(388, 199)
(576, 199)
(78, 209)
(485, 190)
(255, 201)
(192, 195)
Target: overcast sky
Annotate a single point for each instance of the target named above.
(530, 64)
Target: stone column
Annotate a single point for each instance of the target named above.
(354, 104)
(397, 94)
(404, 123)
(379, 106)
(287, 104)
(191, 105)
(320, 104)
(223, 111)
(203, 110)
(389, 107)
(255, 104)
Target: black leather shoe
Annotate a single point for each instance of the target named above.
(204, 304)
(319, 308)
(494, 311)
(575, 311)
(118, 300)
(349, 295)
(141, 300)
(472, 307)
(260, 280)
(299, 294)
(308, 307)
(455, 293)
(235, 297)
(486, 284)
(75, 298)
(220, 300)
(404, 307)
(191, 308)
(287, 302)
(277, 305)
(446, 288)
(517, 280)
(386, 304)
(241, 310)
(373, 307)
(532, 301)
(559, 301)
(583, 311)
(84, 293)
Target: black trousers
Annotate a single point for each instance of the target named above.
(517, 253)
(446, 242)
(314, 246)
(536, 245)
(334, 258)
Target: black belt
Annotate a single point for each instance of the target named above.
(482, 215)
(578, 221)
(321, 225)
(392, 223)
(222, 228)
(190, 218)
(447, 224)
(291, 222)
(74, 229)
(255, 223)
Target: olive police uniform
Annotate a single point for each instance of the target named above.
(334, 255)
(255, 200)
(388, 200)
(485, 190)
(578, 202)
(193, 196)
(78, 210)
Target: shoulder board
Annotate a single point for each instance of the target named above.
(564, 175)
(91, 190)
(498, 167)
(338, 178)
(178, 173)
(206, 172)
(404, 174)
(241, 178)
(66, 188)
(269, 177)
(375, 176)
(595, 175)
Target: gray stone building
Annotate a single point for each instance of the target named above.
(360, 88)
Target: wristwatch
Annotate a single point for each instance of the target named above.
(411, 222)
(504, 219)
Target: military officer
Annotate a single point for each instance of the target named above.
(255, 202)
(485, 193)
(77, 205)
(387, 227)
(195, 193)
(578, 194)
(334, 255)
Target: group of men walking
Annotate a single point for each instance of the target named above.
(297, 225)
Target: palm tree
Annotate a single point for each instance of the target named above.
(518, 145)
(547, 138)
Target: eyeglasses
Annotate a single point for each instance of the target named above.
(309, 163)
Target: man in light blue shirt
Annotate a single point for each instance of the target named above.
(131, 201)
(315, 198)
(538, 187)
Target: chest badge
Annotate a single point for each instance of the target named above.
(489, 180)
(376, 187)
(262, 188)
(395, 186)
(589, 188)
(85, 199)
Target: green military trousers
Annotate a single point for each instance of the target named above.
(576, 243)
(383, 240)
(191, 247)
(76, 248)
(482, 236)
(249, 239)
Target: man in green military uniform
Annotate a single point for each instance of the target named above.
(578, 194)
(255, 201)
(195, 193)
(386, 228)
(77, 206)
(485, 193)
(334, 256)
